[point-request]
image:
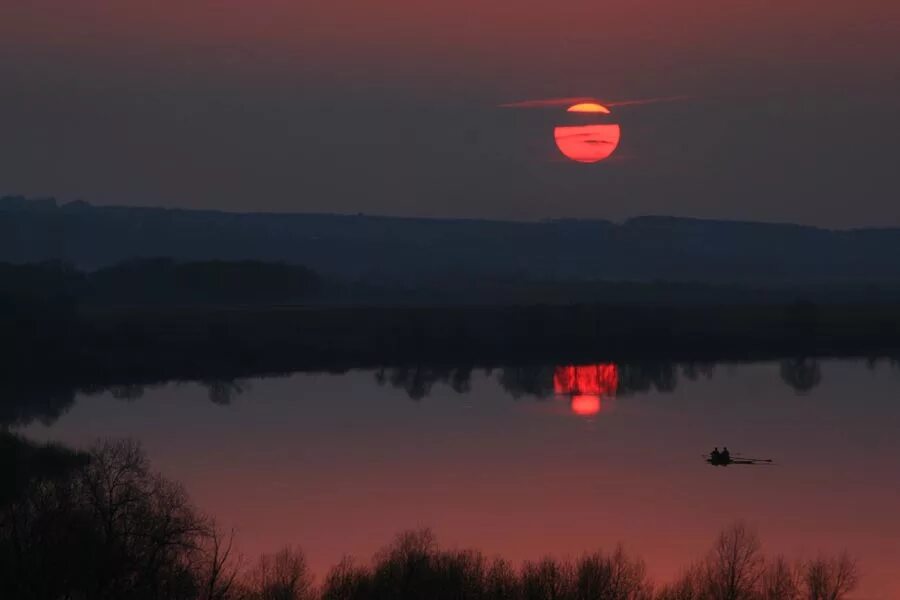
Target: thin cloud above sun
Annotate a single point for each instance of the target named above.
(548, 102)
(572, 102)
(643, 101)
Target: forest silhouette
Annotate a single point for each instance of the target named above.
(157, 319)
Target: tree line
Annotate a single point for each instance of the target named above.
(102, 524)
(155, 320)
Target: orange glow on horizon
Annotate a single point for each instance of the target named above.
(588, 107)
(587, 143)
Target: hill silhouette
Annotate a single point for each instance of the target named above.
(237, 295)
(422, 251)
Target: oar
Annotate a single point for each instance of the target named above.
(738, 456)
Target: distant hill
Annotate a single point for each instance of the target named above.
(384, 250)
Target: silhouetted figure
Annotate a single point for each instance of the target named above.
(724, 459)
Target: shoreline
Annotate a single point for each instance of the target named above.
(93, 345)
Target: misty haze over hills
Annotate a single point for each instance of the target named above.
(386, 249)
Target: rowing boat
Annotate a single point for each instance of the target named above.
(737, 460)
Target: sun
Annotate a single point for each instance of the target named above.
(588, 107)
(588, 143)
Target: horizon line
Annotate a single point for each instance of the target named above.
(79, 202)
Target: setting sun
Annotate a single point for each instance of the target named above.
(588, 107)
(587, 143)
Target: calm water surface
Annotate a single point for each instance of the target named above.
(528, 462)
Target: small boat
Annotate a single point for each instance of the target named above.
(721, 461)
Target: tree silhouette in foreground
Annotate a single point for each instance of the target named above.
(736, 569)
(831, 578)
(103, 526)
(109, 529)
(280, 576)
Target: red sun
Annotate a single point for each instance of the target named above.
(587, 143)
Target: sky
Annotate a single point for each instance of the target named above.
(393, 108)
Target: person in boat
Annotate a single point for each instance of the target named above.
(725, 455)
(715, 456)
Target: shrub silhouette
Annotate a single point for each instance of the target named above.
(611, 577)
(347, 581)
(735, 568)
(280, 576)
(111, 529)
(831, 578)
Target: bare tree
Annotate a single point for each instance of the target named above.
(147, 536)
(501, 581)
(220, 568)
(831, 578)
(781, 581)
(281, 576)
(735, 565)
(461, 573)
(547, 580)
(689, 586)
(611, 577)
(112, 528)
(346, 581)
(406, 564)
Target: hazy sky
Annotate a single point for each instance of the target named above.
(391, 107)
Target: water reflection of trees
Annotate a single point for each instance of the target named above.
(418, 381)
(646, 377)
(22, 404)
(802, 374)
(224, 391)
(45, 403)
(536, 381)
